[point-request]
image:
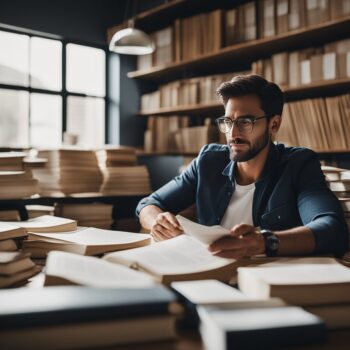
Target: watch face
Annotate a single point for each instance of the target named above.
(273, 243)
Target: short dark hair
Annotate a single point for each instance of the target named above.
(270, 95)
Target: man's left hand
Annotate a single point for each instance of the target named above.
(243, 241)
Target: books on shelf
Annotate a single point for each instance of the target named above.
(318, 123)
(97, 215)
(299, 281)
(64, 268)
(98, 317)
(84, 241)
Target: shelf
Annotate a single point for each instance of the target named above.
(249, 51)
(325, 87)
(199, 109)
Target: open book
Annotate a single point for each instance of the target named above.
(176, 259)
(46, 223)
(299, 281)
(84, 241)
(64, 268)
(185, 257)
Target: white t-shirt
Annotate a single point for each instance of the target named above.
(240, 208)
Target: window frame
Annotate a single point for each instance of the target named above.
(64, 93)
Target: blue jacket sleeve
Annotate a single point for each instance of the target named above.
(320, 210)
(176, 195)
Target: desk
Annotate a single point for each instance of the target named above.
(124, 206)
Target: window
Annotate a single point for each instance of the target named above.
(49, 87)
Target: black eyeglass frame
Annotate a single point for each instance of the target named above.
(235, 122)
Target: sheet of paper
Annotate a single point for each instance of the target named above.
(204, 234)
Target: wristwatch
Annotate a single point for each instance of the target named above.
(271, 242)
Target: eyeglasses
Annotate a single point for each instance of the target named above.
(244, 124)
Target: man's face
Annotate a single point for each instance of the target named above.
(245, 146)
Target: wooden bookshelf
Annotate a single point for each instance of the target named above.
(248, 51)
(324, 87)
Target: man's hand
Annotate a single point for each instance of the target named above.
(165, 226)
(243, 241)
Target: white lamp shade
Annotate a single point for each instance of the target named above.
(131, 41)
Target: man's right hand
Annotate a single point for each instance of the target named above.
(165, 226)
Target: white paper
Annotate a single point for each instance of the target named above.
(204, 234)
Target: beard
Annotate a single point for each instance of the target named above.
(254, 148)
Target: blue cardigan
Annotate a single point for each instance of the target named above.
(290, 192)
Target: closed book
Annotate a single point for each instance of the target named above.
(265, 328)
(77, 317)
(298, 281)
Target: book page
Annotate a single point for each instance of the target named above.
(95, 236)
(178, 255)
(202, 233)
(94, 272)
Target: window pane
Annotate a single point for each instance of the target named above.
(86, 70)
(14, 59)
(14, 118)
(45, 120)
(46, 64)
(86, 119)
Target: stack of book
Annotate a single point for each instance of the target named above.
(126, 181)
(16, 268)
(35, 210)
(11, 161)
(92, 214)
(121, 175)
(320, 285)
(83, 241)
(70, 170)
(229, 319)
(11, 236)
(111, 156)
(338, 181)
(17, 184)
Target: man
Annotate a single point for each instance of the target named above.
(253, 183)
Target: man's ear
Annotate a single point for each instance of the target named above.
(275, 123)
